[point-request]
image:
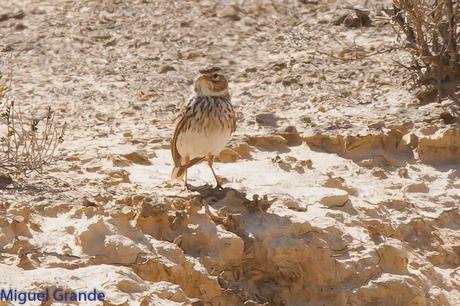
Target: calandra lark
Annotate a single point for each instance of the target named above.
(204, 125)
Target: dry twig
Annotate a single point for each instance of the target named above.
(431, 31)
(25, 144)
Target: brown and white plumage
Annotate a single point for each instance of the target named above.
(205, 124)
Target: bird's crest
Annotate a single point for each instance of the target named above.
(208, 70)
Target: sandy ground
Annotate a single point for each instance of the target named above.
(361, 179)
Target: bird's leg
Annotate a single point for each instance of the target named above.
(185, 180)
(210, 159)
(187, 160)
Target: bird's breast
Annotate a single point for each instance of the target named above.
(207, 130)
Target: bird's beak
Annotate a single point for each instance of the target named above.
(203, 80)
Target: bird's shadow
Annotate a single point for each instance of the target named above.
(222, 197)
(208, 191)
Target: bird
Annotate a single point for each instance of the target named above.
(205, 125)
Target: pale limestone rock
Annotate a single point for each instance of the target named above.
(120, 161)
(228, 155)
(416, 187)
(393, 258)
(267, 119)
(441, 146)
(398, 289)
(139, 158)
(335, 197)
(291, 135)
(120, 284)
(230, 248)
(116, 177)
(121, 249)
(268, 143)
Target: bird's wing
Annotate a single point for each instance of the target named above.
(233, 123)
(180, 124)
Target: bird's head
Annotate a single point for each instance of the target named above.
(211, 82)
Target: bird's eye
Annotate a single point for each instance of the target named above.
(215, 77)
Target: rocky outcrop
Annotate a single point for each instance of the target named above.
(221, 248)
(442, 145)
(361, 146)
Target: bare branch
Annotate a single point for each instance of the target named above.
(25, 144)
(430, 28)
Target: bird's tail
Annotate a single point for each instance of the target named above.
(178, 172)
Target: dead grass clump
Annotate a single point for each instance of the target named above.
(26, 144)
(431, 34)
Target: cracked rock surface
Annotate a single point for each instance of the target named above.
(341, 189)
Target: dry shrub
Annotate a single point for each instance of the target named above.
(430, 28)
(26, 144)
